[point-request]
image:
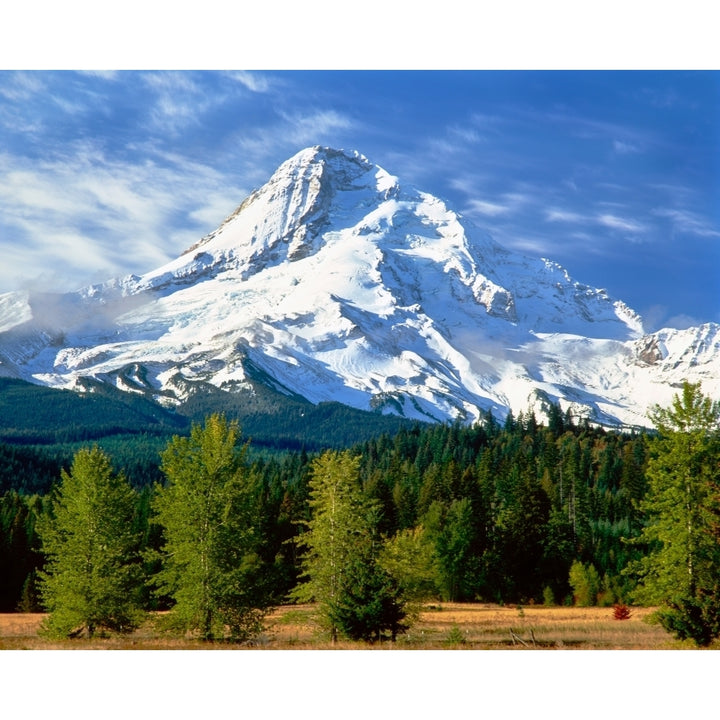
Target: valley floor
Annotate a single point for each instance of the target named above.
(440, 626)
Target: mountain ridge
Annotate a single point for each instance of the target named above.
(341, 284)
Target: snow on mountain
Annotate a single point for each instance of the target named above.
(339, 283)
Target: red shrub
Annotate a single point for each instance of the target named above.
(621, 612)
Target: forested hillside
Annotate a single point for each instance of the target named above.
(501, 513)
(57, 419)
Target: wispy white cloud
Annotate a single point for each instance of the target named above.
(567, 216)
(618, 223)
(488, 208)
(110, 75)
(82, 213)
(660, 98)
(622, 147)
(529, 244)
(622, 136)
(261, 148)
(685, 221)
(307, 128)
(682, 321)
(20, 86)
(253, 81)
(177, 101)
(458, 134)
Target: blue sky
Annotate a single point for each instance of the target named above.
(614, 174)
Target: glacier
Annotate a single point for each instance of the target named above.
(341, 284)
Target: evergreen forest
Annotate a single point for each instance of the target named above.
(513, 512)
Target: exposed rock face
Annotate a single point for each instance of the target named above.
(648, 350)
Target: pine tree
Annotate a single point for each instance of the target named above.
(452, 530)
(340, 569)
(207, 511)
(681, 571)
(372, 600)
(91, 576)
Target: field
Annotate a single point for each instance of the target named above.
(439, 626)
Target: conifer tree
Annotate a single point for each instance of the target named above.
(340, 570)
(452, 531)
(207, 511)
(91, 576)
(372, 601)
(681, 571)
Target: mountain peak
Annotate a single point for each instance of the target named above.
(333, 282)
(284, 219)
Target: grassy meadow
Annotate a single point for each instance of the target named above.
(458, 626)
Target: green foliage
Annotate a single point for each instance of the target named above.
(452, 531)
(462, 512)
(356, 596)
(211, 566)
(585, 583)
(409, 557)
(454, 637)
(28, 470)
(31, 414)
(682, 564)
(20, 555)
(372, 602)
(277, 419)
(692, 618)
(91, 575)
(548, 596)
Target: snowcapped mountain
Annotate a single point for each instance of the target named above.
(335, 282)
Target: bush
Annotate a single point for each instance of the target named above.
(621, 612)
(455, 636)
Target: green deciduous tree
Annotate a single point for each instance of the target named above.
(356, 597)
(409, 556)
(585, 583)
(208, 513)
(92, 574)
(681, 571)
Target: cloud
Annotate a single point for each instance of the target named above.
(684, 221)
(625, 148)
(262, 148)
(617, 223)
(176, 101)
(656, 317)
(528, 244)
(555, 215)
(487, 208)
(465, 136)
(110, 75)
(82, 213)
(20, 86)
(304, 129)
(253, 81)
(683, 322)
(217, 208)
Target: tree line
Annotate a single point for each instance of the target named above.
(518, 512)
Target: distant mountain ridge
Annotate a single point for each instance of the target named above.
(334, 282)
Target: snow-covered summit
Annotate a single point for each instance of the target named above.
(339, 283)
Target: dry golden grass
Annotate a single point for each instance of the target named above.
(439, 626)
